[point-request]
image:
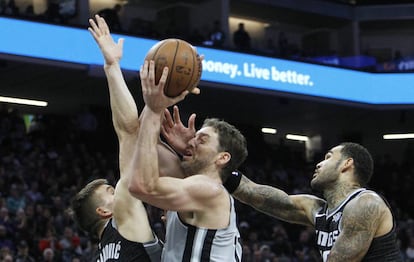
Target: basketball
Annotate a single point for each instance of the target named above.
(183, 62)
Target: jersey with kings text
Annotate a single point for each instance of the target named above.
(328, 228)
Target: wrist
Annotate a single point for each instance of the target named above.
(111, 65)
(233, 181)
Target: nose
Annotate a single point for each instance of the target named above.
(318, 165)
(191, 143)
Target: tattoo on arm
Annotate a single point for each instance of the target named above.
(269, 200)
(359, 224)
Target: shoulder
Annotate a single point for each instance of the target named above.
(368, 206)
(204, 181)
(204, 186)
(367, 199)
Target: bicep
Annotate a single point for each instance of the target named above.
(127, 210)
(189, 194)
(360, 221)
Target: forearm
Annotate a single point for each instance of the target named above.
(264, 198)
(271, 201)
(124, 109)
(146, 170)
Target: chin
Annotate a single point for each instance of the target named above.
(314, 184)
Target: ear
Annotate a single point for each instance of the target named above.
(347, 165)
(103, 212)
(223, 158)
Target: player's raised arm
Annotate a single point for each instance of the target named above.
(145, 168)
(124, 109)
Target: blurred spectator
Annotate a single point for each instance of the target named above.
(29, 12)
(111, 16)
(241, 38)
(270, 47)
(409, 251)
(49, 241)
(196, 38)
(281, 243)
(5, 219)
(16, 199)
(52, 12)
(264, 254)
(19, 223)
(33, 194)
(49, 256)
(70, 245)
(216, 37)
(6, 242)
(11, 8)
(247, 256)
(7, 257)
(23, 253)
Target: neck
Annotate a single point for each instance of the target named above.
(335, 195)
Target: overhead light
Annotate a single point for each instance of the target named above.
(297, 137)
(268, 130)
(22, 101)
(398, 136)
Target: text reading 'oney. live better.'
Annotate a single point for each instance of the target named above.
(251, 70)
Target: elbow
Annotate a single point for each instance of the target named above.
(138, 189)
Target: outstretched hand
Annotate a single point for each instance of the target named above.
(153, 94)
(174, 132)
(111, 51)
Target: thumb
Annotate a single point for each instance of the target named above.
(121, 42)
(181, 96)
(195, 91)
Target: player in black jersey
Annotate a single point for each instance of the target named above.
(351, 223)
(110, 214)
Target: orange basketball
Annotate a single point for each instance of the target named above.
(183, 62)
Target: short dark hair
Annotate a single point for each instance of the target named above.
(231, 140)
(363, 162)
(83, 206)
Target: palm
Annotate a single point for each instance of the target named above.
(111, 51)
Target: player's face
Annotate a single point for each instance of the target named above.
(327, 171)
(106, 195)
(201, 151)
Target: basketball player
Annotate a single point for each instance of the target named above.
(352, 223)
(112, 215)
(201, 223)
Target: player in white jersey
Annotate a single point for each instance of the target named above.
(203, 209)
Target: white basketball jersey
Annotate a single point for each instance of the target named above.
(187, 243)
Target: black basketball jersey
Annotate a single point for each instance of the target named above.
(328, 228)
(113, 247)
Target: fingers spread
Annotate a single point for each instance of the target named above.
(176, 115)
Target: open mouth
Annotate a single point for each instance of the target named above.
(187, 155)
